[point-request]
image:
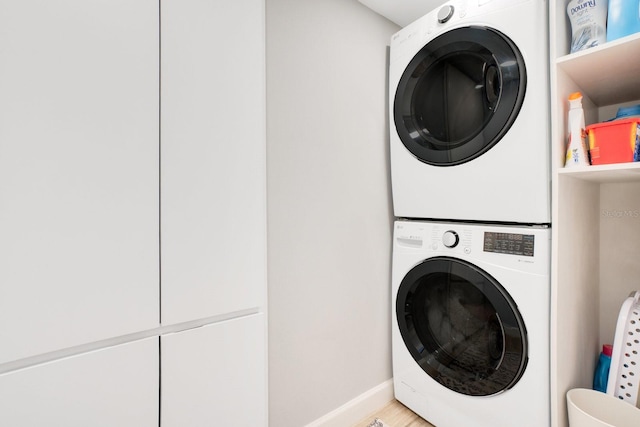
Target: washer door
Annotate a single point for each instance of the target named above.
(459, 95)
(461, 327)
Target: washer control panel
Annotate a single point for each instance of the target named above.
(465, 239)
(518, 248)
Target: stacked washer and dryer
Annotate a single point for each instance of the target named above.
(470, 169)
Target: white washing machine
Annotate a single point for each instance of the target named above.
(470, 323)
(469, 113)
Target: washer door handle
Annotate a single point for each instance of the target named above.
(492, 85)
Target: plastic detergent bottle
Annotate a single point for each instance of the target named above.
(588, 23)
(601, 375)
(623, 18)
(577, 144)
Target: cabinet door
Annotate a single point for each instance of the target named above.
(215, 375)
(116, 386)
(78, 172)
(213, 158)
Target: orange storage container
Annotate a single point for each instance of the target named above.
(615, 141)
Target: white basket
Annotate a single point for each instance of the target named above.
(624, 375)
(591, 408)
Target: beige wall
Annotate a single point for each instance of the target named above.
(329, 206)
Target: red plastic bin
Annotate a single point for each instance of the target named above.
(615, 141)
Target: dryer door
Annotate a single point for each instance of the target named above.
(461, 327)
(459, 95)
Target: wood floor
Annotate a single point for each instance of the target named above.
(395, 414)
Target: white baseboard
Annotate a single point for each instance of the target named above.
(355, 410)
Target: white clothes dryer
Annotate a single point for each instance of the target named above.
(469, 113)
(470, 323)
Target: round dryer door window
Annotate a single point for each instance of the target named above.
(459, 95)
(461, 327)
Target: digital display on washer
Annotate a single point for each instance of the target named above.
(509, 243)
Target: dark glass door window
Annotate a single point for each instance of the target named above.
(459, 95)
(461, 327)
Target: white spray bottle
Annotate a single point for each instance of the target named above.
(577, 154)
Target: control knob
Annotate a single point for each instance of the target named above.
(445, 13)
(450, 239)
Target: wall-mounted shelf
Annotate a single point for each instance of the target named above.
(608, 74)
(618, 172)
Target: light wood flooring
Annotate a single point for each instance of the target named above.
(395, 414)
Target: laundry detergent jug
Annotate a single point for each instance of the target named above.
(623, 18)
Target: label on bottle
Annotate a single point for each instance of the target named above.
(588, 23)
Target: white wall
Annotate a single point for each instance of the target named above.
(329, 206)
(619, 237)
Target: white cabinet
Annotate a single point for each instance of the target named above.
(82, 190)
(215, 375)
(213, 212)
(116, 386)
(78, 172)
(213, 189)
(596, 211)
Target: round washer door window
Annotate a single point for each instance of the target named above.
(461, 327)
(459, 95)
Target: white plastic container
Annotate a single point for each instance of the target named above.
(590, 408)
(577, 154)
(588, 23)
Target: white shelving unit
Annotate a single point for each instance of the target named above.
(596, 210)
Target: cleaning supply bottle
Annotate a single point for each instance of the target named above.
(623, 18)
(588, 23)
(577, 154)
(601, 375)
